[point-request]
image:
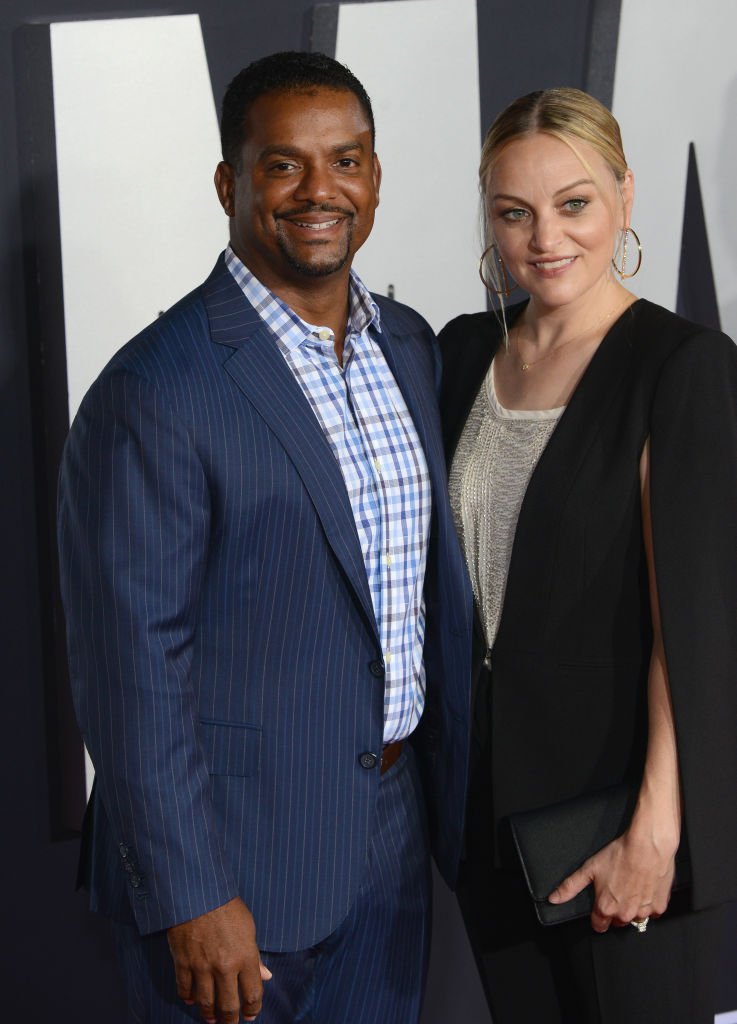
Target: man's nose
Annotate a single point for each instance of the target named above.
(316, 184)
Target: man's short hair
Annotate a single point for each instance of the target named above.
(290, 71)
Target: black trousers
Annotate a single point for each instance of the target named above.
(567, 973)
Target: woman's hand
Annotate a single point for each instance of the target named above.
(632, 877)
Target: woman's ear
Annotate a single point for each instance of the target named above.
(627, 191)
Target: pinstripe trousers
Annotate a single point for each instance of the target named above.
(372, 968)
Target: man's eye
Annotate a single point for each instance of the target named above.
(347, 161)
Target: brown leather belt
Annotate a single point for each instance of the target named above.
(390, 755)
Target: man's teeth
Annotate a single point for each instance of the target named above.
(554, 264)
(318, 227)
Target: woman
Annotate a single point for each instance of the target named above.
(592, 440)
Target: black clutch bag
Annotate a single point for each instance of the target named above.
(554, 841)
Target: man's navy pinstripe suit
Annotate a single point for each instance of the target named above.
(201, 506)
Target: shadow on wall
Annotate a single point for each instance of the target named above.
(727, 225)
(454, 991)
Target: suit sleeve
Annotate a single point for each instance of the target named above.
(133, 534)
(694, 510)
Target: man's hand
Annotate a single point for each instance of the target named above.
(217, 963)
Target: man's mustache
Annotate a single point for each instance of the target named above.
(313, 208)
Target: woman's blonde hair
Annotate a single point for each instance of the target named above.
(566, 114)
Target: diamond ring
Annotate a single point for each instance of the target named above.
(641, 926)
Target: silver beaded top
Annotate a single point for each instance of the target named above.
(495, 458)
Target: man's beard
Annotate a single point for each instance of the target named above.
(323, 264)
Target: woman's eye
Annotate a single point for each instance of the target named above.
(575, 205)
(514, 214)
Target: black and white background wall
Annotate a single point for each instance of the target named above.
(108, 113)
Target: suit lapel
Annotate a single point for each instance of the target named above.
(414, 377)
(260, 371)
(418, 393)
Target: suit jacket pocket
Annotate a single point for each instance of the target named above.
(231, 748)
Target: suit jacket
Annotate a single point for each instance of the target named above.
(567, 701)
(224, 655)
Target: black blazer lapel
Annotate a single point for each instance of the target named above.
(544, 500)
(468, 346)
(260, 371)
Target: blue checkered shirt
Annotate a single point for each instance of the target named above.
(368, 426)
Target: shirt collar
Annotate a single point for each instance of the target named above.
(363, 312)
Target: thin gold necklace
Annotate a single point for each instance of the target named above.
(526, 364)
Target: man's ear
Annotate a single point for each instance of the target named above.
(225, 186)
(377, 177)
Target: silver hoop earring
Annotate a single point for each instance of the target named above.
(499, 284)
(622, 268)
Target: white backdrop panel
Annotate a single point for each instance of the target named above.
(676, 82)
(419, 62)
(137, 143)
(136, 146)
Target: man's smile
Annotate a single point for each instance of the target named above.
(315, 221)
(317, 225)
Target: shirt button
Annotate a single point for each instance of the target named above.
(388, 559)
(387, 657)
(376, 668)
(324, 334)
(377, 465)
(368, 760)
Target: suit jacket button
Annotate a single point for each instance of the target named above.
(135, 881)
(123, 850)
(368, 760)
(376, 668)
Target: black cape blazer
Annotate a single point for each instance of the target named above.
(567, 705)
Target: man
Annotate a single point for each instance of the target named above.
(252, 497)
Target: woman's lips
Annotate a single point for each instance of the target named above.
(553, 266)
